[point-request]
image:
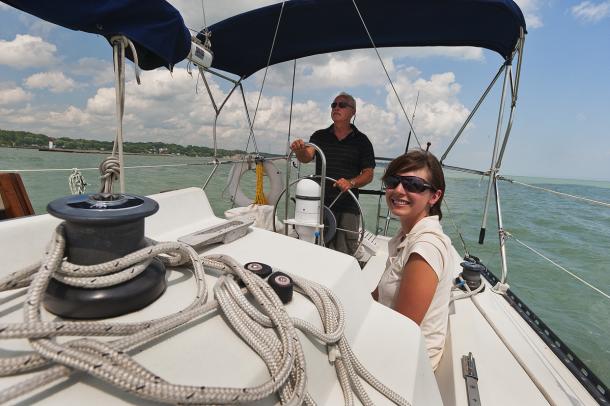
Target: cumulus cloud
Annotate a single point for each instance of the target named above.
(94, 70)
(166, 107)
(11, 95)
(465, 53)
(329, 71)
(27, 51)
(56, 82)
(591, 12)
(439, 111)
(215, 10)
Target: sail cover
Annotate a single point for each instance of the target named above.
(242, 43)
(155, 27)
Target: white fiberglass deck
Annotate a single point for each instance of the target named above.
(514, 366)
(208, 352)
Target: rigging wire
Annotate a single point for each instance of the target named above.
(509, 235)
(457, 228)
(386, 73)
(137, 166)
(294, 71)
(205, 23)
(412, 122)
(260, 93)
(592, 201)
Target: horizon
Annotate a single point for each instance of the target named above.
(56, 81)
(602, 183)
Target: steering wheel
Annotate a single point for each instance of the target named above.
(328, 215)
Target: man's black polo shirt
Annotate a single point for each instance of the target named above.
(344, 159)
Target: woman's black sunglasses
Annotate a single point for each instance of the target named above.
(412, 184)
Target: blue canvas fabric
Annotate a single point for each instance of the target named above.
(154, 26)
(241, 44)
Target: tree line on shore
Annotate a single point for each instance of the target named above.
(24, 139)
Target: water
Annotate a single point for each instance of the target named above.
(576, 235)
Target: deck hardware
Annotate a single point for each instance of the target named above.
(469, 371)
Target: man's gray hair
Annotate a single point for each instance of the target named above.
(348, 97)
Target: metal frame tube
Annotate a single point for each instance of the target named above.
(493, 169)
(217, 109)
(501, 234)
(472, 113)
(250, 124)
(466, 170)
(515, 91)
(322, 187)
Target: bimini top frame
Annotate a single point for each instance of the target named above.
(284, 31)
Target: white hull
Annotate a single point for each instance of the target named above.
(208, 352)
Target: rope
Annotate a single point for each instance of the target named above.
(519, 358)
(386, 73)
(600, 203)
(119, 43)
(110, 170)
(460, 282)
(76, 182)
(266, 328)
(509, 235)
(260, 193)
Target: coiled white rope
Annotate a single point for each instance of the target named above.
(110, 170)
(76, 182)
(267, 329)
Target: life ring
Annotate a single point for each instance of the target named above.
(273, 174)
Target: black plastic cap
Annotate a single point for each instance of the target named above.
(259, 269)
(282, 285)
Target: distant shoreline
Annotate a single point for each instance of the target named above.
(90, 151)
(87, 151)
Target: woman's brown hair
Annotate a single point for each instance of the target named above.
(417, 159)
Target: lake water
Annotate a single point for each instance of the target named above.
(574, 234)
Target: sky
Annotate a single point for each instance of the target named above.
(60, 83)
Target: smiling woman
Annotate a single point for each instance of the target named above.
(421, 260)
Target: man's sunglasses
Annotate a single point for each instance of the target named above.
(412, 184)
(341, 105)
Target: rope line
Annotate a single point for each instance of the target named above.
(557, 265)
(119, 44)
(260, 193)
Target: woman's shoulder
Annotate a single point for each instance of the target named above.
(430, 231)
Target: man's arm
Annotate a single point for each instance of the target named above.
(365, 177)
(304, 154)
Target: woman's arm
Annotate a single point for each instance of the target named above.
(417, 288)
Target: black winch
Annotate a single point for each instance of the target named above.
(99, 228)
(471, 272)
